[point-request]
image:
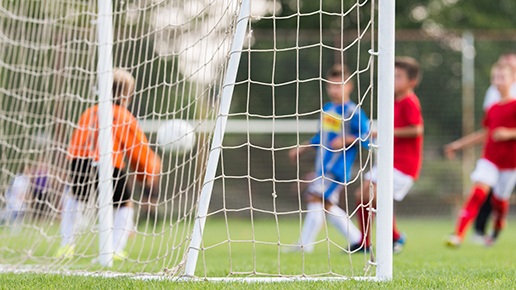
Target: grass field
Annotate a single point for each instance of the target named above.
(424, 264)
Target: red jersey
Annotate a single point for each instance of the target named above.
(408, 152)
(128, 140)
(502, 153)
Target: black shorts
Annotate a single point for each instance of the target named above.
(85, 179)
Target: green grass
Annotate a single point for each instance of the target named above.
(424, 264)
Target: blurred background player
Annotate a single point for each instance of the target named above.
(130, 142)
(342, 124)
(496, 169)
(492, 97)
(408, 147)
(39, 182)
(15, 199)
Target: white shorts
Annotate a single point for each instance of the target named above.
(501, 181)
(326, 188)
(401, 182)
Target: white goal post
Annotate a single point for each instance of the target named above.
(218, 137)
(385, 212)
(196, 164)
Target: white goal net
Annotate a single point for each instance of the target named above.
(220, 112)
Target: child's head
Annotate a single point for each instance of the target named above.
(123, 87)
(503, 76)
(407, 74)
(508, 58)
(338, 90)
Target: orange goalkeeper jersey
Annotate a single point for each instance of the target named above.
(128, 140)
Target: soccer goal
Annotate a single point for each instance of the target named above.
(182, 123)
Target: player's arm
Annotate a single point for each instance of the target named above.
(410, 131)
(304, 147)
(360, 129)
(339, 141)
(464, 142)
(142, 159)
(414, 128)
(503, 134)
(293, 153)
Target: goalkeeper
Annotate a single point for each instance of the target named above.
(128, 141)
(342, 126)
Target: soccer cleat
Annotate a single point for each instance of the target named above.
(65, 252)
(489, 241)
(397, 246)
(120, 256)
(478, 238)
(453, 241)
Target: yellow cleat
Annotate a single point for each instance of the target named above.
(120, 256)
(65, 252)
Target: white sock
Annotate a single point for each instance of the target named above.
(344, 225)
(122, 226)
(312, 225)
(71, 206)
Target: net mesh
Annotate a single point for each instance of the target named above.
(260, 195)
(177, 52)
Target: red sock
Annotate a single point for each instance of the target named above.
(501, 209)
(364, 223)
(395, 232)
(470, 210)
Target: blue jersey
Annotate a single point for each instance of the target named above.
(337, 121)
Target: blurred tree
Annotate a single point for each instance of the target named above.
(412, 14)
(458, 14)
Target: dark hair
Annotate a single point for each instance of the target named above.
(410, 66)
(337, 70)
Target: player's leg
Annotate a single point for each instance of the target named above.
(481, 220)
(500, 208)
(339, 218)
(402, 183)
(84, 180)
(484, 176)
(500, 202)
(312, 224)
(314, 218)
(123, 223)
(68, 215)
(67, 227)
(365, 199)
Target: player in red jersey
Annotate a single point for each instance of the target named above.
(496, 169)
(408, 147)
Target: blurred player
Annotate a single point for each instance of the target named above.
(15, 199)
(130, 142)
(342, 127)
(408, 147)
(39, 182)
(492, 97)
(496, 169)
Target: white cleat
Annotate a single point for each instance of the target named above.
(453, 241)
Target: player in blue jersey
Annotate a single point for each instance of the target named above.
(342, 127)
